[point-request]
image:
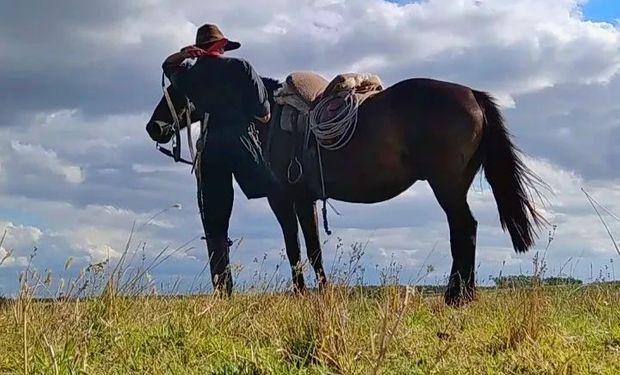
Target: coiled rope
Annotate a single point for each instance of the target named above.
(335, 132)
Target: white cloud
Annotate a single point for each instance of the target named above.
(8, 260)
(17, 237)
(507, 47)
(35, 156)
(20, 234)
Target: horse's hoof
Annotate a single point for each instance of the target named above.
(299, 290)
(457, 297)
(323, 285)
(293, 293)
(222, 294)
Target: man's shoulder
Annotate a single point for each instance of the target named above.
(238, 62)
(230, 64)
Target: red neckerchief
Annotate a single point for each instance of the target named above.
(216, 48)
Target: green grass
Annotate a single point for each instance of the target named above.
(529, 328)
(535, 330)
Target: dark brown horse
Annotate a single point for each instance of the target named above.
(417, 129)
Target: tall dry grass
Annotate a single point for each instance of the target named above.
(112, 319)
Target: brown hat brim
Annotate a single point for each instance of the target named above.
(230, 46)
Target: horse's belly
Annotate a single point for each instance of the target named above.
(367, 178)
(367, 195)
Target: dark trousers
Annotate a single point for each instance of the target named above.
(224, 157)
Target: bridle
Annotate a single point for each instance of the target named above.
(176, 142)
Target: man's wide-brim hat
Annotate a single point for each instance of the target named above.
(209, 33)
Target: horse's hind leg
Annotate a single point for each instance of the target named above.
(453, 199)
(306, 213)
(283, 207)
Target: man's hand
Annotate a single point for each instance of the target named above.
(264, 119)
(193, 52)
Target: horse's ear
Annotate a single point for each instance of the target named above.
(271, 84)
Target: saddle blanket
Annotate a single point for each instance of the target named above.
(360, 83)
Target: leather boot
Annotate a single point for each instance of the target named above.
(219, 262)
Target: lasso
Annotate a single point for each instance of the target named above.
(333, 134)
(336, 132)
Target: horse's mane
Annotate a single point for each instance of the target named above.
(271, 85)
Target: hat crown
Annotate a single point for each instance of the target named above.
(208, 33)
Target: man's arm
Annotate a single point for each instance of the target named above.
(172, 64)
(258, 96)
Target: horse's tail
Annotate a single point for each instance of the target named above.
(511, 181)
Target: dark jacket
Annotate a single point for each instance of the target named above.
(227, 88)
(234, 95)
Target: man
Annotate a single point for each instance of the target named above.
(231, 95)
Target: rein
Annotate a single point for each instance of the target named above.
(176, 143)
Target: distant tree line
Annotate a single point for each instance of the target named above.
(522, 280)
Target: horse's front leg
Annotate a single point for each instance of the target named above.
(283, 206)
(306, 213)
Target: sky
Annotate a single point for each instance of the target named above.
(602, 10)
(78, 81)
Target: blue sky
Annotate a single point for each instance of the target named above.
(595, 10)
(602, 10)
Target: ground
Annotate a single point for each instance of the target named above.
(391, 330)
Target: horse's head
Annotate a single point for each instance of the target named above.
(159, 126)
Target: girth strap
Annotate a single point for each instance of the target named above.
(294, 164)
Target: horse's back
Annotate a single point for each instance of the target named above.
(421, 122)
(429, 93)
(430, 84)
(443, 121)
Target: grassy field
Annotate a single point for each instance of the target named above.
(532, 330)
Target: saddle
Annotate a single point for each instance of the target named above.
(301, 92)
(312, 107)
(300, 89)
